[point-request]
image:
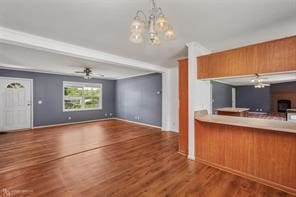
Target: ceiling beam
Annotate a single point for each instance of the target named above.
(23, 39)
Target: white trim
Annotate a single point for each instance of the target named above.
(137, 75)
(97, 120)
(199, 92)
(31, 81)
(82, 84)
(140, 123)
(75, 83)
(191, 157)
(71, 123)
(10, 36)
(24, 69)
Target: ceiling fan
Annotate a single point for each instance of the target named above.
(259, 82)
(88, 74)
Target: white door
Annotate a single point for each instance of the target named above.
(15, 103)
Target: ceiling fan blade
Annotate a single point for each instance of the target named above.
(79, 72)
(98, 74)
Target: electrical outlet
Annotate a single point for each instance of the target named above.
(110, 114)
(69, 118)
(106, 115)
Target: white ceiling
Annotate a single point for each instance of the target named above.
(104, 24)
(20, 58)
(267, 78)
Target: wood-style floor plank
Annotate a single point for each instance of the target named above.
(111, 158)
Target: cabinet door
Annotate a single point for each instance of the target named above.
(234, 62)
(277, 56)
(268, 57)
(202, 67)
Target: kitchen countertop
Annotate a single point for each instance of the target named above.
(232, 109)
(291, 110)
(274, 125)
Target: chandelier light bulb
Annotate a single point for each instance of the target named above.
(169, 34)
(161, 23)
(136, 38)
(155, 40)
(137, 26)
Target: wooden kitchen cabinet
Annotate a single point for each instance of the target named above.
(273, 56)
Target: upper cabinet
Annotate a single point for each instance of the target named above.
(277, 56)
(268, 57)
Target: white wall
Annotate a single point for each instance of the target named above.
(173, 100)
(170, 100)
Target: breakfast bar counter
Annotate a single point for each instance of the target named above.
(233, 111)
(257, 149)
(273, 125)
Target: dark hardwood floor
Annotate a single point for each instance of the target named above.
(110, 158)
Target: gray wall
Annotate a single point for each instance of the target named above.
(221, 95)
(137, 97)
(49, 89)
(254, 98)
(284, 87)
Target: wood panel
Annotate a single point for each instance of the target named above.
(47, 144)
(228, 63)
(231, 113)
(135, 161)
(273, 56)
(183, 106)
(262, 155)
(277, 56)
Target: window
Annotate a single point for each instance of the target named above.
(82, 96)
(15, 85)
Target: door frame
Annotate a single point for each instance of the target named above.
(31, 81)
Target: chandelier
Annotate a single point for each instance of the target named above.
(150, 29)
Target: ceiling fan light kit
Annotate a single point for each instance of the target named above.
(151, 28)
(258, 82)
(88, 74)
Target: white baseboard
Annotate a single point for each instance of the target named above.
(140, 123)
(172, 130)
(87, 121)
(71, 123)
(191, 157)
